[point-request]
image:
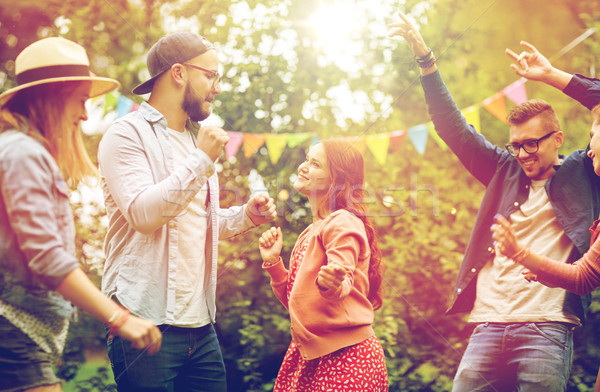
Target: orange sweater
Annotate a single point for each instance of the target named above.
(325, 321)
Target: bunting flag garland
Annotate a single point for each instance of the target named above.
(252, 142)
(516, 91)
(359, 142)
(435, 136)
(123, 106)
(295, 139)
(472, 116)
(379, 145)
(496, 105)
(233, 145)
(397, 139)
(115, 105)
(110, 102)
(418, 136)
(275, 145)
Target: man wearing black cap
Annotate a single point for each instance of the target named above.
(162, 193)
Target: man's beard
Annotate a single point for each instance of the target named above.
(192, 105)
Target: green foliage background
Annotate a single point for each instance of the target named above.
(430, 200)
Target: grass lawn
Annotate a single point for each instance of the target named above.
(94, 375)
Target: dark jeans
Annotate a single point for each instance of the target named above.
(528, 357)
(189, 360)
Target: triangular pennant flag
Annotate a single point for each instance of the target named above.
(294, 139)
(472, 116)
(516, 91)
(435, 136)
(358, 142)
(379, 145)
(275, 145)
(124, 105)
(496, 105)
(110, 102)
(397, 139)
(233, 145)
(252, 142)
(418, 137)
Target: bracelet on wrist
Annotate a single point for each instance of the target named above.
(117, 320)
(271, 263)
(427, 60)
(520, 255)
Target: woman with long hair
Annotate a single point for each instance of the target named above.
(333, 285)
(40, 147)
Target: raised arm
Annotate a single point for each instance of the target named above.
(532, 65)
(416, 43)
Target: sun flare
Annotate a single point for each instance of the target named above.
(335, 24)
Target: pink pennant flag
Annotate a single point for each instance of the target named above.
(233, 145)
(516, 91)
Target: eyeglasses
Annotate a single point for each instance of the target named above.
(211, 75)
(530, 146)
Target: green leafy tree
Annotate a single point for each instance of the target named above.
(281, 76)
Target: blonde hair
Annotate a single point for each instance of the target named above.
(38, 112)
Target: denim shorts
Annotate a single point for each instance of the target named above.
(23, 364)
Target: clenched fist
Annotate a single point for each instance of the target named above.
(211, 140)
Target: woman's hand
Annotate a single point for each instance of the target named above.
(270, 244)
(409, 32)
(504, 236)
(331, 276)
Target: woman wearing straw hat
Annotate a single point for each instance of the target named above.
(40, 277)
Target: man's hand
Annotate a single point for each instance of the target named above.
(261, 209)
(211, 140)
(411, 35)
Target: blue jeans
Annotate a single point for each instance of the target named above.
(524, 357)
(189, 360)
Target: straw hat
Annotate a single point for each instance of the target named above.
(55, 59)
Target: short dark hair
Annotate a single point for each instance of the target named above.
(533, 108)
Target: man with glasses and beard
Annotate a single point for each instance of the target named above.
(522, 339)
(162, 198)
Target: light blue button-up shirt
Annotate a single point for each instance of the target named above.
(144, 193)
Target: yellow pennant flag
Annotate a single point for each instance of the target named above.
(379, 145)
(472, 116)
(275, 145)
(496, 104)
(252, 142)
(435, 136)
